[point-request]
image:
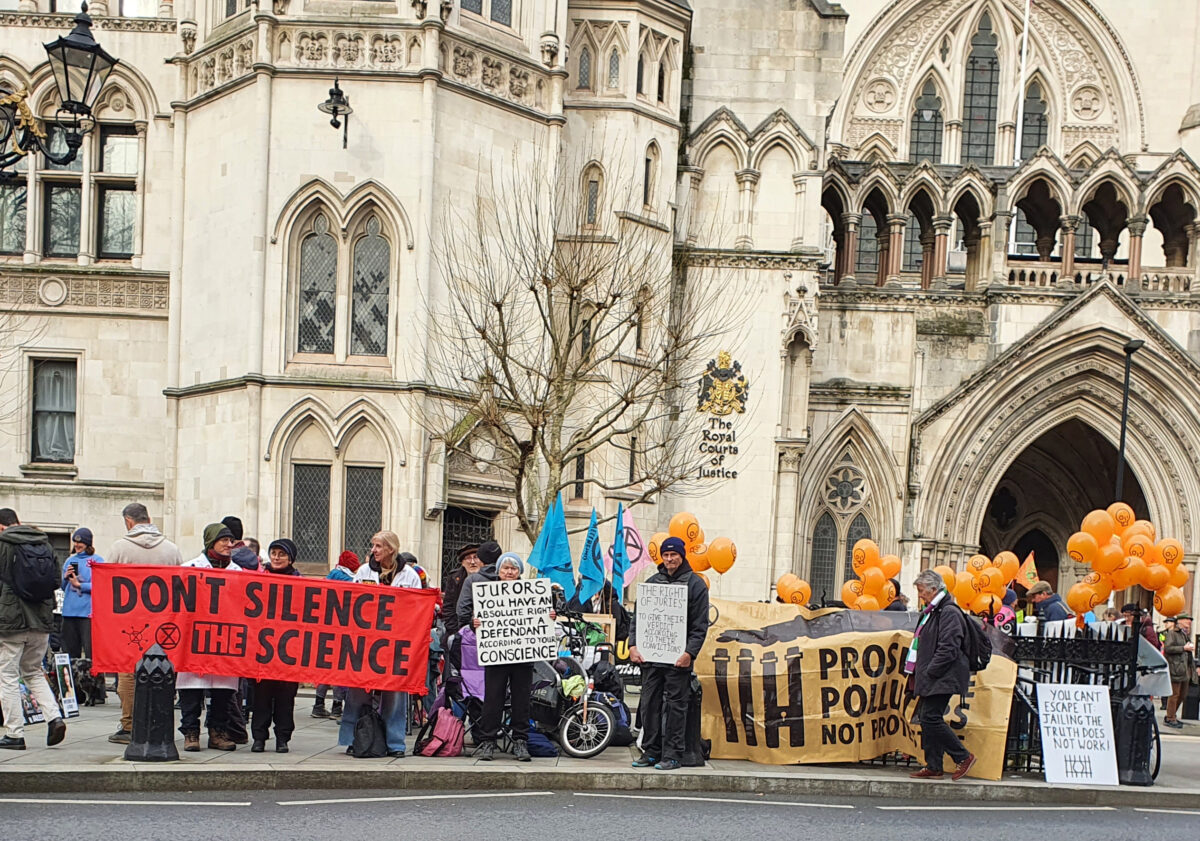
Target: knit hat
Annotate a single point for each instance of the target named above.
(349, 560)
(489, 552)
(421, 574)
(511, 558)
(246, 558)
(234, 525)
(288, 547)
(469, 549)
(214, 532)
(673, 544)
(407, 559)
(83, 536)
(1010, 597)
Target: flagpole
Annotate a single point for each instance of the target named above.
(1012, 228)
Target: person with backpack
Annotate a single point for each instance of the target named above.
(939, 667)
(29, 576)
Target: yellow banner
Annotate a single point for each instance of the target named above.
(784, 685)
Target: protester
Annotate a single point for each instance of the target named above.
(25, 630)
(275, 700)
(1180, 651)
(246, 558)
(142, 543)
(938, 666)
(235, 527)
(513, 679)
(665, 687)
(221, 689)
(76, 636)
(347, 565)
(452, 584)
(386, 567)
(1047, 604)
(901, 600)
(1111, 614)
(1144, 625)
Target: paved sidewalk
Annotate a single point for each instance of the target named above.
(87, 762)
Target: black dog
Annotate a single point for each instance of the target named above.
(89, 689)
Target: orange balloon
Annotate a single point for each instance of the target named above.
(888, 594)
(698, 557)
(890, 564)
(989, 580)
(1008, 564)
(948, 576)
(978, 563)
(1144, 526)
(686, 527)
(866, 602)
(656, 542)
(1099, 524)
(1079, 598)
(873, 580)
(1171, 551)
(1129, 574)
(1122, 514)
(1137, 545)
(851, 592)
(986, 603)
(1100, 583)
(788, 579)
(704, 578)
(1169, 601)
(1179, 576)
(964, 589)
(802, 595)
(721, 554)
(697, 543)
(1156, 577)
(1109, 559)
(1083, 548)
(865, 554)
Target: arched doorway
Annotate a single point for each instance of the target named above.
(1065, 473)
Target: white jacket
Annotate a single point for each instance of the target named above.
(190, 680)
(406, 577)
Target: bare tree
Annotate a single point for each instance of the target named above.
(570, 330)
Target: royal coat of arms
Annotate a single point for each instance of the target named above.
(723, 386)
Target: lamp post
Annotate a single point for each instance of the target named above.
(338, 105)
(1131, 347)
(80, 67)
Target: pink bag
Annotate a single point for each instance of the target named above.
(447, 736)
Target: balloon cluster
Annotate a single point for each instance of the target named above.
(718, 555)
(793, 589)
(1123, 551)
(980, 588)
(873, 589)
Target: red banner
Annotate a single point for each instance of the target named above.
(263, 626)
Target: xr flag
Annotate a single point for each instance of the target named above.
(1027, 575)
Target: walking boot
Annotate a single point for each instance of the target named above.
(336, 710)
(281, 745)
(486, 752)
(521, 751)
(219, 741)
(319, 711)
(191, 742)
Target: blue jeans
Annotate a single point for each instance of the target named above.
(393, 707)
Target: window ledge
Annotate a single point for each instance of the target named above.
(49, 470)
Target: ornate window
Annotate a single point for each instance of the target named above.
(649, 174)
(310, 512)
(822, 574)
(363, 515)
(866, 262)
(1034, 124)
(842, 520)
(925, 136)
(980, 96)
(499, 11)
(318, 289)
(372, 275)
(614, 69)
(859, 529)
(585, 70)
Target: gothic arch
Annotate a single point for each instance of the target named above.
(924, 180)
(878, 181)
(15, 73)
(971, 181)
(1178, 170)
(1108, 171)
(339, 427)
(343, 208)
(721, 127)
(385, 200)
(1045, 166)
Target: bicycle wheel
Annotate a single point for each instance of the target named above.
(1155, 752)
(584, 737)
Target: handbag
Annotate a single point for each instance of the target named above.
(370, 734)
(446, 736)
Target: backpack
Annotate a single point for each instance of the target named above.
(34, 571)
(622, 734)
(540, 744)
(370, 734)
(976, 645)
(444, 737)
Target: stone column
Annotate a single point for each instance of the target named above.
(884, 241)
(1137, 230)
(850, 221)
(1070, 224)
(87, 199)
(787, 508)
(800, 182)
(139, 226)
(747, 185)
(97, 8)
(1193, 255)
(689, 184)
(33, 247)
(986, 252)
(927, 246)
(952, 147)
(1006, 144)
(897, 223)
(941, 250)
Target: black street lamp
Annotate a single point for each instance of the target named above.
(337, 105)
(1131, 347)
(80, 67)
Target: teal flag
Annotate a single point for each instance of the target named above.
(551, 555)
(591, 564)
(620, 557)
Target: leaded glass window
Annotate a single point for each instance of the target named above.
(364, 507)
(593, 201)
(318, 289)
(117, 210)
(12, 216)
(614, 69)
(61, 229)
(585, 69)
(662, 81)
(823, 564)
(475, 6)
(925, 140)
(982, 89)
(372, 275)
(860, 529)
(502, 11)
(310, 512)
(914, 253)
(866, 262)
(1034, 128)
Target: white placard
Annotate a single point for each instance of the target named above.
(66, 684)
(1077, 734)
(514, 621)
(662, 622)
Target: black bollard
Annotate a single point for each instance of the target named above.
(1134, 727)
(153, 737)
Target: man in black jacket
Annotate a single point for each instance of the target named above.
(937, 660)
(664, 703)
(452, 582)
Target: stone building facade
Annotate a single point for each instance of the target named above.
(219, 309)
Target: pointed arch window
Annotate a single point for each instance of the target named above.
(866, 262)
(662, 81)
(925, 137)
(585, 70)
(980, 96)
(649, 174)
(593, 186)
(860, 529)
(614, 69)
(372, 281)
(822, 571)
(318, 289)
(1034, 122)
(641, 73)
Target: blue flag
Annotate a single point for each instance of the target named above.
(551, 554)
(591, 564)
(620, 558)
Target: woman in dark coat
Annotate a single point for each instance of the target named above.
(275, 700)
(937, 662)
